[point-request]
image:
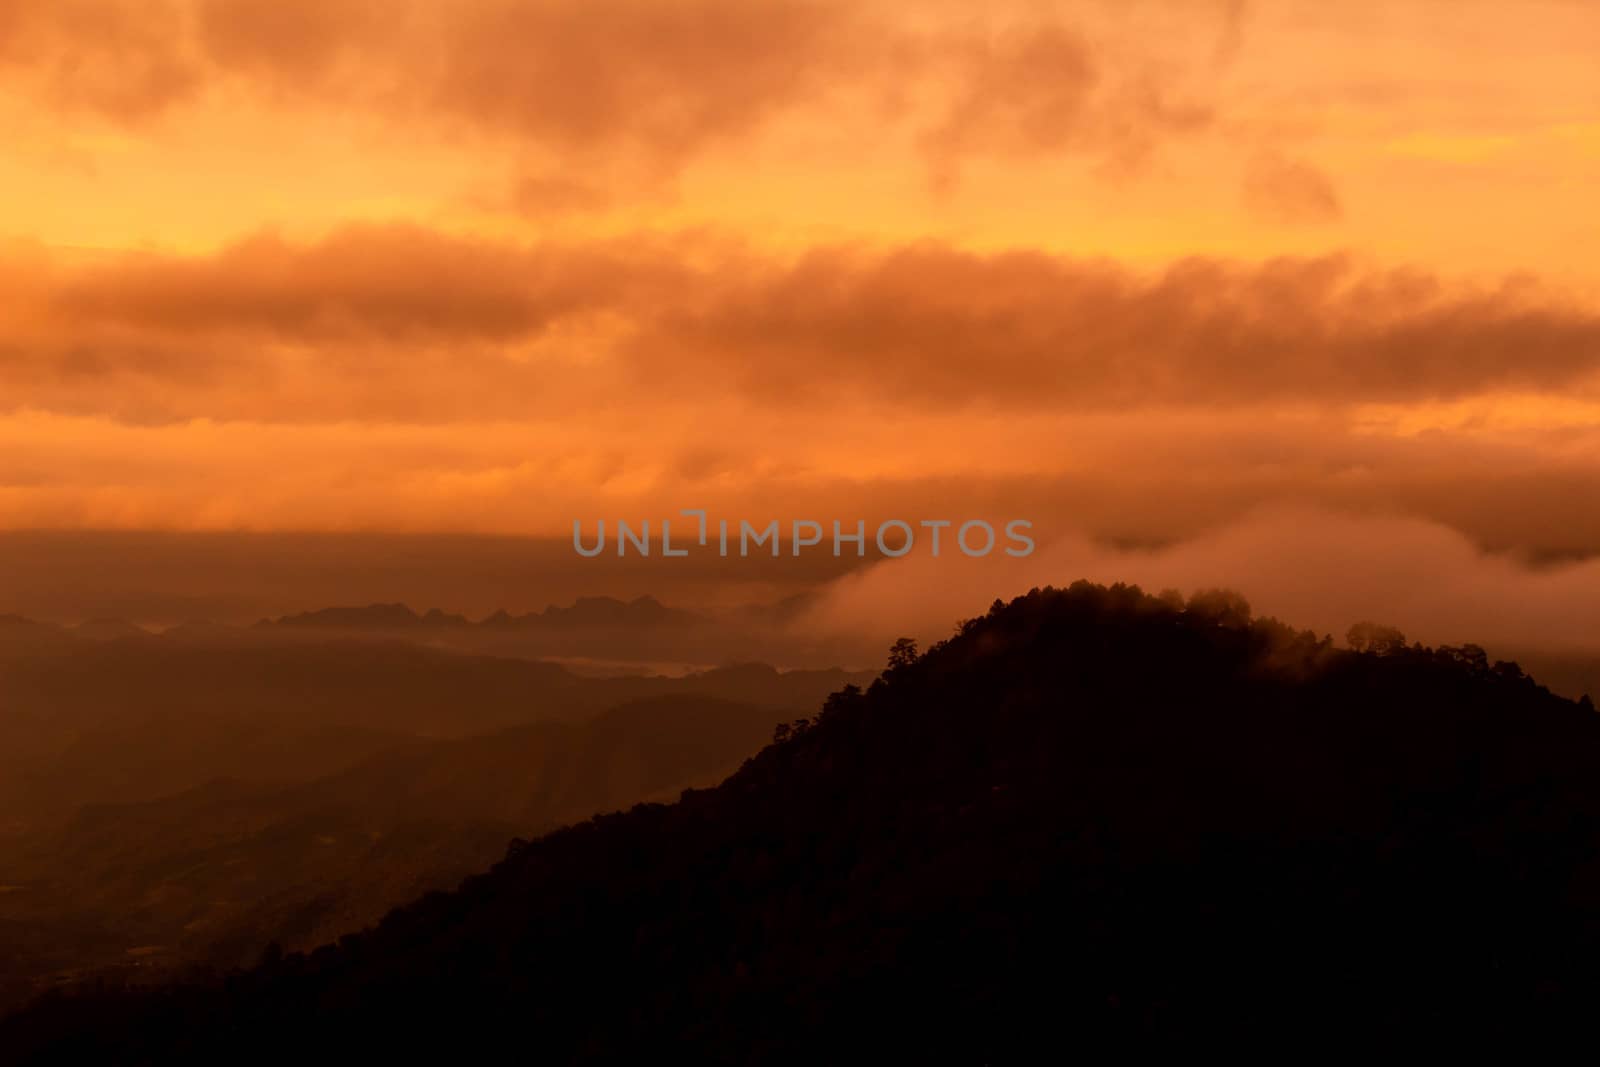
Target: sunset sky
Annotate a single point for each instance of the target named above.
(1132, 270)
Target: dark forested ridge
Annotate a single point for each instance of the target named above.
(1091, 815)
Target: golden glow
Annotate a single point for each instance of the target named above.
(483, 264)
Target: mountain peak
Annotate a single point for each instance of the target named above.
(108, 630)
(371, 616)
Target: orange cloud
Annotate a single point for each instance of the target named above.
(930, 324)
(125, 59)
(630, 252)
(1291, 191)
(1313, 568)
(1043, 89)
(404, 323)
(1149, 476)
(659, 78)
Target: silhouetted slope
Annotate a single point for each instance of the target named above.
(215, 872)
(642, 611)
(598, 632)
(1089, 816)
(125, 721)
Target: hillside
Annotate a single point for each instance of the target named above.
(1090, 816)
(214, 873)
(601, 631)
(131, 720)
(164, 801)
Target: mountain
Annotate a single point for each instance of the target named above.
(644, 611)
(124, 721)
(215, 872)
(193, 799)
(373, 616)
(600, 633)
(1092, 819)
(609, 611)
(109, 630)
(21, 637)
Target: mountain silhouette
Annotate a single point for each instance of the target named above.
(213, 873)
(171, 800)
(1090, 819)
(129, 720)
(109, 630)
(600, 611)
(598, 632)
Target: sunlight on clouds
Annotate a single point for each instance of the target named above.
(1493, 414)
(477, 266)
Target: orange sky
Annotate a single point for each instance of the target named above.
(1132, 269)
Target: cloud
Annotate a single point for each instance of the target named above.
(1035, 91)
(390, 283)
(1021, 92)
(928, 324)
(665, 76)
(695, 319)
(530, 465)
(127, 60)
(1321, 570)
(575, 73)
(542, 195)
(656, 80)
(393, 375)
(295, 46)
(1290, 191)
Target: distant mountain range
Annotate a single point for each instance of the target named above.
(599, 611)
(586, 611)
(599, 634)
(190, 797)
(215, 872)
